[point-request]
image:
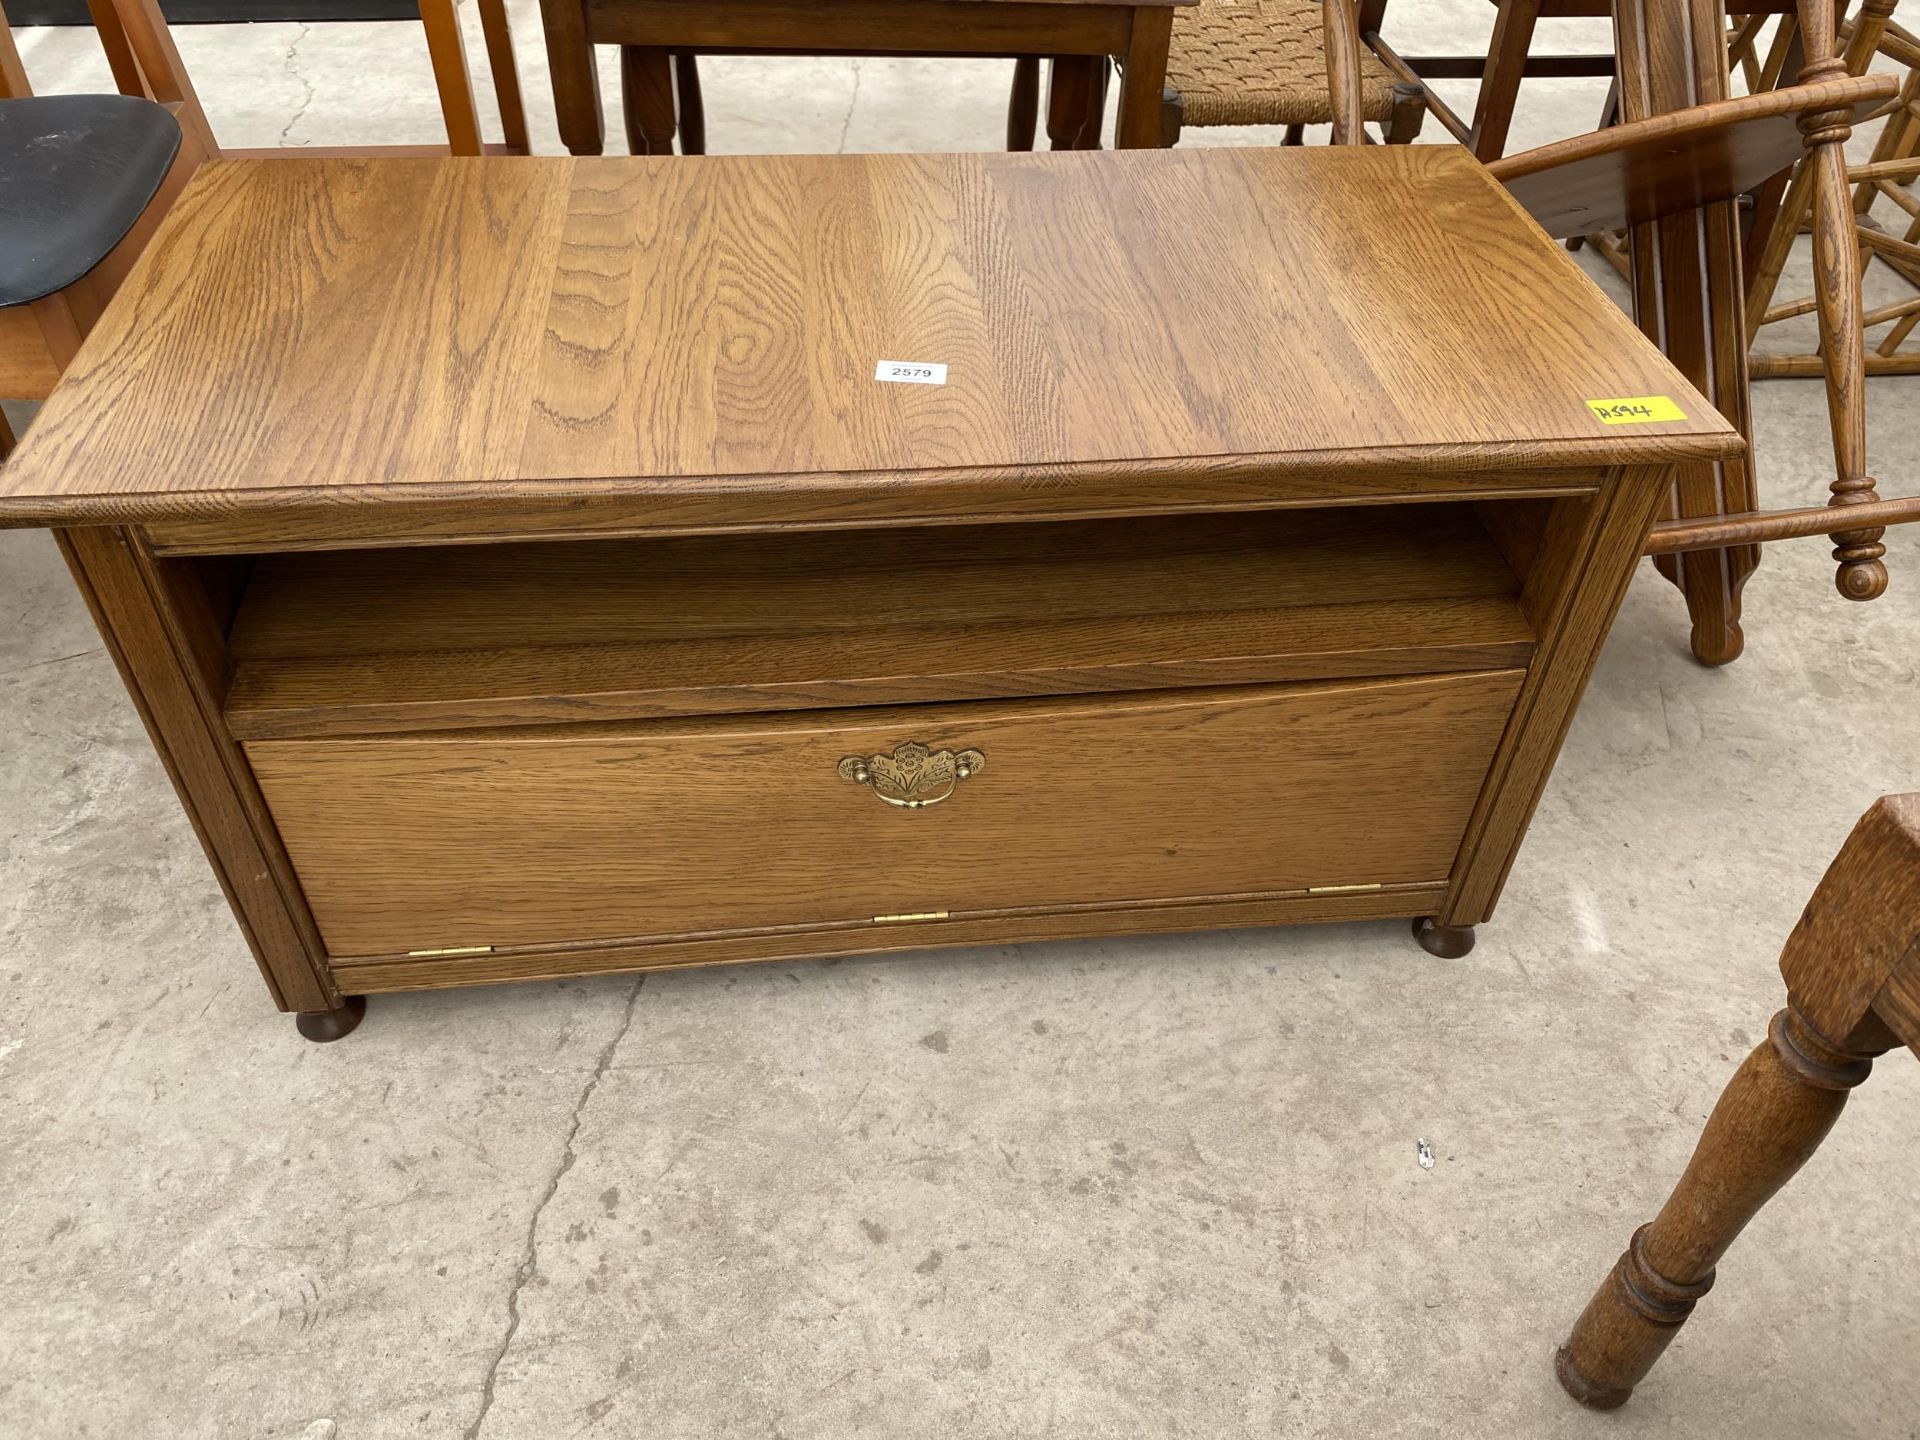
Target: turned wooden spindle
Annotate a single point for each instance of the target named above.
(1836, 267)
(1863, 42)
(1852, 967)
(1772, 1117)
(1341, 23)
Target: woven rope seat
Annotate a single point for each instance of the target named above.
(1262, 62)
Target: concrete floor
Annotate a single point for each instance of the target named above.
(1161, 1187)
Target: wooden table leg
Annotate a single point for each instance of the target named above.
(1849, 966)
(1771, 1118)
(576, 84)
(646, 99)
(1143, 80)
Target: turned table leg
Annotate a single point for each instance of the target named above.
(1772, 1117)
(322, 1026)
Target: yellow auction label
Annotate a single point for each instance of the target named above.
(1636, 410)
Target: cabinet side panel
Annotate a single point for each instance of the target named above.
(1573, 590)
(162, 663)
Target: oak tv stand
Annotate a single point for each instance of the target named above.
(523, 571)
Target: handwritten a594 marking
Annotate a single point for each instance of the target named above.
(1636, 410)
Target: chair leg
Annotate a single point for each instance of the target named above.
(1409, 114)
(1295, 135)
(1076, 101)
(448, 52)
(1771, 1118)
(497, 31)
(1500, 87)
(1023, 103)
(691, 106)
(1173, 114)
(646, 99)
(574, 78)
(1097, 104)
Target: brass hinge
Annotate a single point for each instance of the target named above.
(915, 915)
(1342, 889)
(451, 950)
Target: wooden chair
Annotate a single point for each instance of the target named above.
(141, 54)
(1852, 967)
(37, 339)
(1510, 59)
(1264, 62)
(1233, 62)
(1892, 169)
(79, 173)
(46, 310)
(1697, 160)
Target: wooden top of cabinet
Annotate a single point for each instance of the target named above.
(394, 333)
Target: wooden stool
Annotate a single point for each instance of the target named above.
(1852, 968)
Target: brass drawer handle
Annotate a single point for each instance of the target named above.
(913, 777)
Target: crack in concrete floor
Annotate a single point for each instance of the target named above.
(530, 1258)
(290, 63)
(853, 100)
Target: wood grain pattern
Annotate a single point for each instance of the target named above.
(361, 642)
(674, 827)
(345, 334)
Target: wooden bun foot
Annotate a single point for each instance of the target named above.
(321, 1026)
(1448, 942)
(1716, 643)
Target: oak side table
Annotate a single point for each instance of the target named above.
(651, 34)
(531, 567)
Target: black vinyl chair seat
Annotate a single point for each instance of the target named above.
(76, 171)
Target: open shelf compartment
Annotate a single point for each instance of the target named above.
(376, 641)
